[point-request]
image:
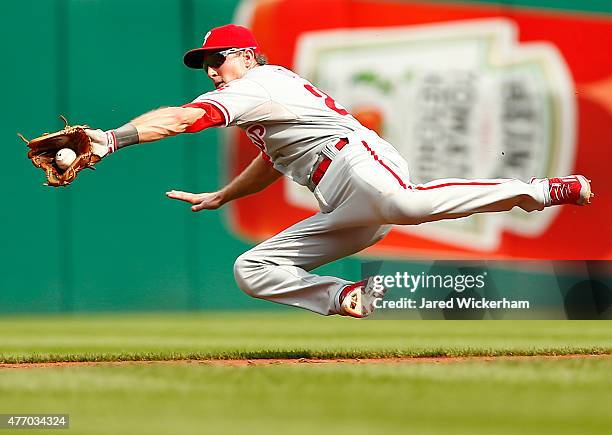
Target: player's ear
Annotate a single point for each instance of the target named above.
(249, 58)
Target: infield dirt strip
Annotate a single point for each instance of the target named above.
(309, 361)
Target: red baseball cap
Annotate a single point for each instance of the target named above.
(218, 39)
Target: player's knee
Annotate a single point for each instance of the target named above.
(246, 269)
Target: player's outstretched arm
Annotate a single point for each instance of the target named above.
(256, 177)
(152, 126)
(165, 122)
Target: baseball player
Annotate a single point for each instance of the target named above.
(360, 181)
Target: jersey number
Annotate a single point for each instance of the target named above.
(329, 101)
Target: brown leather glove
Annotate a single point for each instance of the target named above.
(44, 148)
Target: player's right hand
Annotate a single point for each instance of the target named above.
(199, 201)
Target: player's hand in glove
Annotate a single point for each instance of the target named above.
(65, 153)
(199, 201)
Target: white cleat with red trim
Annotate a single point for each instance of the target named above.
(573, 189)
(357, 300)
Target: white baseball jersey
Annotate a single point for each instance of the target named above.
(286, 116)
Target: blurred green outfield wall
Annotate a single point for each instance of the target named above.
(112, 241)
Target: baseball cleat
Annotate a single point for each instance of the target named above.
(573, 189)
(357, 300)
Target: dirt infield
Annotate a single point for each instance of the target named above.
(280, 361)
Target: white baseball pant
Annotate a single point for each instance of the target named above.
(365, 190)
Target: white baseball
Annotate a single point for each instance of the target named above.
(64, 158)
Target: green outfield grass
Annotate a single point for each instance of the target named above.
(284, 335)
(505, 397)
(569, 396)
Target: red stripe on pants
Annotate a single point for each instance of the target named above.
(467, 183)
(399, 180)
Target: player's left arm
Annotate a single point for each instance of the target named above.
(212, 109)
(155, 125)
(166, 122)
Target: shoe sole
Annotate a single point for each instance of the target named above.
(363, 298)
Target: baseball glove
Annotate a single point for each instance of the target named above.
(43, 151)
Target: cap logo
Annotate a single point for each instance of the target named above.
(206, 37)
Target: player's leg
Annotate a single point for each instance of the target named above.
(455, 198)
(379, 174)
(279, 268)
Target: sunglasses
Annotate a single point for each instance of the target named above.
(215, 60)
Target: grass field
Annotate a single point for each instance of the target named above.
(533, 396)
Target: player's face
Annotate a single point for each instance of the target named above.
(224, 67)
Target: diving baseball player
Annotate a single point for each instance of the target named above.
(360, 181)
